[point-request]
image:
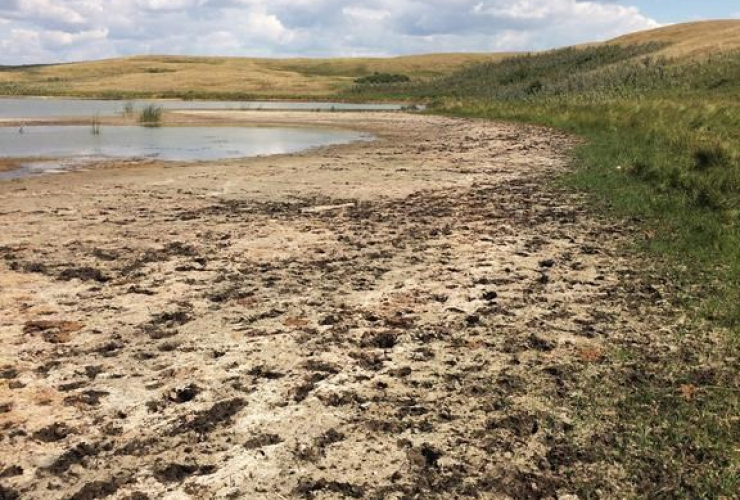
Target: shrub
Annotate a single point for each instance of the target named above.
(382, 78)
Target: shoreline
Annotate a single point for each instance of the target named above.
(411, 316)
(178, 118)
(329, 98)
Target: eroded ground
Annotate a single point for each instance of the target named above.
(411, 318)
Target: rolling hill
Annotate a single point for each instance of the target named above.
(170, 76)
(239, 78)
(690, 39)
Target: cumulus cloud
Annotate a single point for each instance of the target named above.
(33, 31)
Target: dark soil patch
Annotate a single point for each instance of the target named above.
(380, 340)
(73, 456)
(176, 473)
(97, 489)
(84, 274)
(265, 373)
(206, 421)
(87, 398)
(329, 437)
(11, 471)
(308, 488)
(52, 433)
(184, 394)
(9, 493)
(262, 440)
(308, 385)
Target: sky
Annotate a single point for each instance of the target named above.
(44, 31)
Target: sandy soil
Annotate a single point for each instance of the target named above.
(410, 318)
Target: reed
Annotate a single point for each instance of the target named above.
(129, 109)
(95, 126)
(151, 116)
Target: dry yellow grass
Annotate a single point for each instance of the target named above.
(244, 76)
(697, 39)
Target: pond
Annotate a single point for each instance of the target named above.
(77, 145)
(14, 108)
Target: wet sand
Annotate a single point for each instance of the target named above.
(409, 318)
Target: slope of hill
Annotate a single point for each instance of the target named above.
(696, 56)
(219, 76)
(690, 39)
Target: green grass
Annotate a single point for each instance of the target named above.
(672, 165)
(662, 151)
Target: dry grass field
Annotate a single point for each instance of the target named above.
(230, 77)
(220, 76)
(691, 39)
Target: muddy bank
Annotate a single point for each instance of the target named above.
(9, 164)
(411, 318)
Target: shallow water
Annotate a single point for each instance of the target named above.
(11, 108)
(77, 146)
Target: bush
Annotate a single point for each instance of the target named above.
(382, 78)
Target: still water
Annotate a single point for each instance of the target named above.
(18, 109)
(77, 145)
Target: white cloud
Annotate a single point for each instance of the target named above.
(54, 39)
(50, 10)
(167, 4)
(265, 26)
(60, 30)
(366, 15)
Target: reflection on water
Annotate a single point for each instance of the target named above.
(11, 108)
(77, 145)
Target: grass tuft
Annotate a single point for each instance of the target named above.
(95, 126)
(151, 116)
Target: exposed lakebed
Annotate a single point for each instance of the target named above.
(71, 146)
(415, 317)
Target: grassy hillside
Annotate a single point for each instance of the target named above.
(245, 78)
(685, 57)
(691, 39)
(219, 77)
(661, 114)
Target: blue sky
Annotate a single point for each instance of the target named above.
(41, 31)
(672, 11)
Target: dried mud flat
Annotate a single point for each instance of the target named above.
(415, 317)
